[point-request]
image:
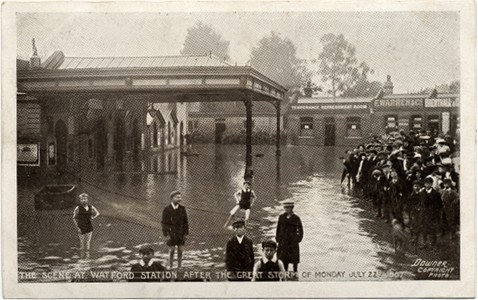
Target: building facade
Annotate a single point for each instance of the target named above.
(329, 122)
(351, 121)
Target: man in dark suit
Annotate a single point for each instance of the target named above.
(433, 210)
(239, 254)
(175, 226)
(289, 234)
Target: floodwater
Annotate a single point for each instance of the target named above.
(342, 239)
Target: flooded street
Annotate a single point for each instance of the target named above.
(340, 231)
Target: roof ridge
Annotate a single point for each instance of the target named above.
(103, 57)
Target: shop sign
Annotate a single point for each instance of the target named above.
(329, 106)
(441, 102)
(398, 102)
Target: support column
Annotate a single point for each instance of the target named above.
(278, 111)
(248, 172)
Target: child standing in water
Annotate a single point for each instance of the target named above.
(245, 199)
(82, 216)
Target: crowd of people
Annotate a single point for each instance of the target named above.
(411, 180)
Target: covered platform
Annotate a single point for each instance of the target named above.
(70, 83)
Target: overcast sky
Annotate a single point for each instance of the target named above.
(417, 49)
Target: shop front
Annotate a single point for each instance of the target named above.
(435, 114)
(328, 122)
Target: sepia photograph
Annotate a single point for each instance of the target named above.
(229, 145)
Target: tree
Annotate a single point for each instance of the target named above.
(276, 58)
(454, 87)
(201, 39)
(363, 88)
(338, 64)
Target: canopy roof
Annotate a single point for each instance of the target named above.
(171, 78)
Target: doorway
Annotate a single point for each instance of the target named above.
(329, 132)
(119, 142)
(100, 144)
(136, 139)
(61, 135)
(220, 128)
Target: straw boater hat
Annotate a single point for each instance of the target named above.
(288, 203)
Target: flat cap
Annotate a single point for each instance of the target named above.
(238, 223)
(269, 244)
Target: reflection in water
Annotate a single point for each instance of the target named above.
(340, 233)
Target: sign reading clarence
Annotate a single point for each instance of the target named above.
(399, 102)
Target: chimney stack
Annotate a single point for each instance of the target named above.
(388, 86)
(35, 60)
(308, 90)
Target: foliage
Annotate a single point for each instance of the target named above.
(276, 58)
(203, 40)
(453, 87)
(258, 138)
(339, 66)
(363, 88)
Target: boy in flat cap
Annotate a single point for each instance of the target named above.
(175, 226)
(146, 265)
(245, 199)
(239, 254)
(269, 267)
(289, 234)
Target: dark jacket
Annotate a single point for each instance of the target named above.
(289, 234)
(433, 206)
(141, 272)
(175, 222)
(239, 257)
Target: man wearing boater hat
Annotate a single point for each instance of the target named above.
(289, 234)
(239, 254)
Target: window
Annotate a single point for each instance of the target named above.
(391, 121)
(306, 126)
(354, 128)
(193, 125)
(434, 124)
(416, 123)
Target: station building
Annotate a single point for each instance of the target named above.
(351, 121)
(82, 114)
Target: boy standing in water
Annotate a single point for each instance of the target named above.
(82, 216)
(175, 226)
(245, 199)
